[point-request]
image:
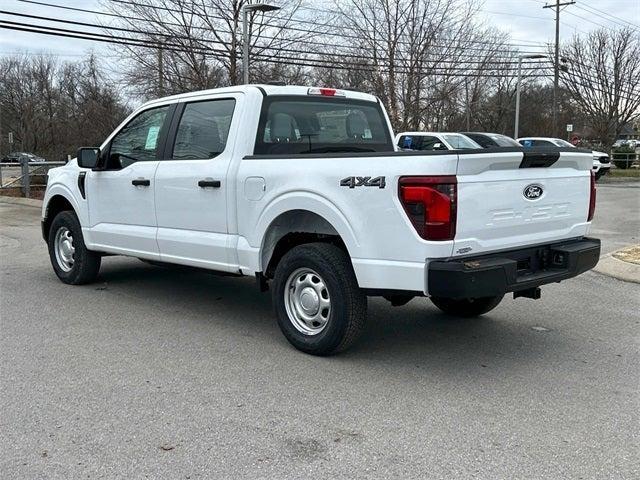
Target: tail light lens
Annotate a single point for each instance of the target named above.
(592, 197)
(431, 204)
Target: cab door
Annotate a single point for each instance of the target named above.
(191, 189)
(120, 195)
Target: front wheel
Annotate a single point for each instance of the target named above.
(71, 260)
(318, 304)
(466, 307)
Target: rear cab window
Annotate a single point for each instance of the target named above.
(307, 125)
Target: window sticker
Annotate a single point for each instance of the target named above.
(152, 138)
(367, 134)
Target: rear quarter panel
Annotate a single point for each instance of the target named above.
(370, 220)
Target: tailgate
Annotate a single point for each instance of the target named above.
(512, 199)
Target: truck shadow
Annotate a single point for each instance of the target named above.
(416, 333)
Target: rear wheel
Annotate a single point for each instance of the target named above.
(319, 306)
(71, 260)
(467, 307)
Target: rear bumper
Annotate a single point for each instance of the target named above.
(513, 270)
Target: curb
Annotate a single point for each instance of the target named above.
(29, 202)
(612, 267)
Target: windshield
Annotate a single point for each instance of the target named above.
(304, 125)
(504, 141)
(562, 143)
(461, 142)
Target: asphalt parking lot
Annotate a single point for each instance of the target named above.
(157, 373)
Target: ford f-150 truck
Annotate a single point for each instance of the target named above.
(303, 188)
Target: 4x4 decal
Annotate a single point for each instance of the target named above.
(353, 182)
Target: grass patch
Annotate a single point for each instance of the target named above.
(627, 172)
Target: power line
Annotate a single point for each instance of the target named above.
(274, 17)
(324, 44)
(616, 20)
(155, 36)
(210, 52)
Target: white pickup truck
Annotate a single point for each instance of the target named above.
(303, 189)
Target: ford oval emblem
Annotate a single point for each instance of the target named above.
(533, 191)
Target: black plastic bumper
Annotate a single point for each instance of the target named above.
(513, 270)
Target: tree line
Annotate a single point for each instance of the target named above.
(52, 108)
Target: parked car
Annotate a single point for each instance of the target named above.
(424, 141)
(601, 160)
(16, 157)
(304, 189)
(491, 140)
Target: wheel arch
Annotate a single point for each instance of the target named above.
(58, 201)
(298, 226)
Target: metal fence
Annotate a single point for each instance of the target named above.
(625, 160)
(25, 174)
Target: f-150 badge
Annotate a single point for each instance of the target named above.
(353, 182)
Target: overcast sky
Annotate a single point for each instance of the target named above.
(527, 22)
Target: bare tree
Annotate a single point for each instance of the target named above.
(603, 78)
(199, 43)
(419, 55)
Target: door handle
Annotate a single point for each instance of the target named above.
(141, 182)
(209, 183)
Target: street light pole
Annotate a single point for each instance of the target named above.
(245, 46)
(246, 8)
(517, 122)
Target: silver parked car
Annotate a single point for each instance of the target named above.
(16, 157)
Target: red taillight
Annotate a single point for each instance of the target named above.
(592, 197)
(430, 203)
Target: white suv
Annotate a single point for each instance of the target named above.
(601, 160)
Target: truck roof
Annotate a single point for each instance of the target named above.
(266, 90)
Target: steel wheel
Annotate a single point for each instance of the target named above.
(64, 249)
(307, 301)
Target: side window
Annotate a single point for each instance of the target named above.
(203, 129)
(542, 143)
(138, 140)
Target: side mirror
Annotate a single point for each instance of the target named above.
(88, 157)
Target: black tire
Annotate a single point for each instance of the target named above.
(466, 307)
(348, 310)
(86, 264)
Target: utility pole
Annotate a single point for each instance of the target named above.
(556, 62)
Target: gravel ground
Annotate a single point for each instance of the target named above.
(155, 373)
